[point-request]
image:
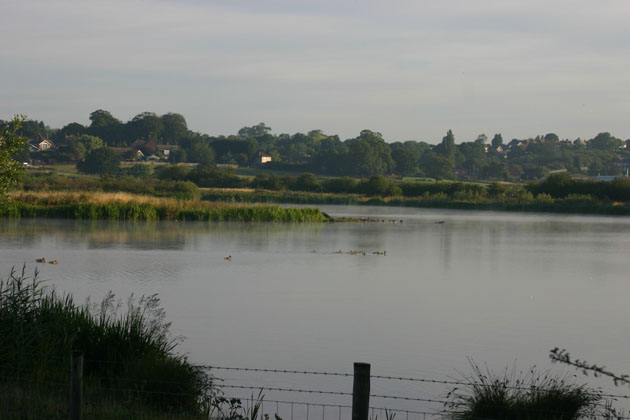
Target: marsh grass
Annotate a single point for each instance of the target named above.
(521, 396)
(129, 354)
(518, 200)
(126, 206)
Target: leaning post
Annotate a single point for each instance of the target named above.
(361, 391)
(76, 385)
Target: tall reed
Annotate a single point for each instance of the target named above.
(129, 354)
(124, 206)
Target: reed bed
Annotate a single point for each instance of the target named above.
(126, 206)
(130, 356)
(521, 201)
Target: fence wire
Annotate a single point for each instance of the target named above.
(385, 377)
(12, 373)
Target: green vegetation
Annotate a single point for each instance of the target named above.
(11, 143)
(130, 369)
(48, 181)
(102, 161)
(368, 170)
(558, 193)
(130, 356)
(121, 206)
(148, 136)
(562, 185)
(513, 396)
(496, 197)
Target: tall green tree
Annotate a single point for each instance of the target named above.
(497, 141)
(604, 141)
(145, 126)
(200, 152)
(407, 156)
(107, 127)
(481, 139)
(447, 148)
(551, 137)
(11, 144)
(102, 161)
(255, 131)
(473, 157)
(436, 166)
(174, 127)
(370, 155)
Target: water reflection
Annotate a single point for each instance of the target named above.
(27, 233)
(494, 286)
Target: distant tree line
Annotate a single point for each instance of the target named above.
(363, 156)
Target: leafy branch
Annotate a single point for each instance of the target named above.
(563, 356)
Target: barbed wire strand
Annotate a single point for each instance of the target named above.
(398, 378)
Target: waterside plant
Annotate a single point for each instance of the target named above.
(522, 396)
(124, 206)
(511, 199)
(130, 356)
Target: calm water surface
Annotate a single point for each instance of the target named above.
(495, 287)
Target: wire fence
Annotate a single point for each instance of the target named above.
(254, 390)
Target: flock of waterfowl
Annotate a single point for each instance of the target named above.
(371, 220)
(354, 252)
(43, 260)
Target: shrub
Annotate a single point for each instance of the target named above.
(520, 397)
(307, 182)
(376, 185)
(344, 184)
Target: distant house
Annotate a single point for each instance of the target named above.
(137, 153)
(45, 145)
(166, 149)
(40, 145)
(263, 158)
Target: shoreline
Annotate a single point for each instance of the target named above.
(569, 205)
(131, 207)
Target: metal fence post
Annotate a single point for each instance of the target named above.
(361, 392)
(76, 385)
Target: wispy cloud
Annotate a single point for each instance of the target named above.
(406, 68)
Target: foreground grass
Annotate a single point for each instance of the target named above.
(36, 402)
(130, 358)
(518, 396)
(125, 206)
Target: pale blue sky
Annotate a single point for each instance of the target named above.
(410, 69)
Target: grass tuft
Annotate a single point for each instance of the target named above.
(520, 396)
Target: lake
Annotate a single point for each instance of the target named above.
(501, 289)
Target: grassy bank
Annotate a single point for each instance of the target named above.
(515, 200)
(124, 206)
(130, 358)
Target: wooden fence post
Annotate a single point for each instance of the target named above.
(361, 391)
(76, 385)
